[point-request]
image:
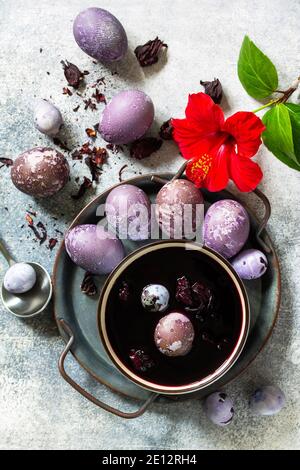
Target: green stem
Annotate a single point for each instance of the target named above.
(264, 106)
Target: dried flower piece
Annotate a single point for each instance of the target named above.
(91, 132)
(124, 292)
(52, 243)
(114, 148)
(166, 130)
(184, 292)
(143, 148)
(148, 53)
(67, 91)
(99, 97)
(213, 89)
(88, 285)
(140, 360)
(89, 104)
(99, 155)
(29, 219)
(72, 73)
(6, 161)
(84, 186)
(76, 108)
(121, 171)
(43, 232)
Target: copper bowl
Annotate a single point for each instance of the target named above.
(228, 362)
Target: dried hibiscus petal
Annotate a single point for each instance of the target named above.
(202, 296)
(91, 132)
(184, 292)
(88, 285)
(84, 186)
(140, 360)
(99, 97)
(72, 73)
(166, 130)
(124, 292)
(213, 89)
(143, 148)
(52, 243)
(147, 54)
(6, 161)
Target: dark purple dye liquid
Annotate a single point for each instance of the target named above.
(130, 326)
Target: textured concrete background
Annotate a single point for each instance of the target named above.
(37, 408)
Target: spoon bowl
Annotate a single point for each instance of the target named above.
(34, 301)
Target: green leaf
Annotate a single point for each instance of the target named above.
(294, 112)
(256, 72)
(278, 136)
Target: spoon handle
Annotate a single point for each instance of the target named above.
(6, 254)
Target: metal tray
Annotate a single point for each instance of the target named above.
(76, 313)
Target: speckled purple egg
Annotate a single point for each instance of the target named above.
(40, 172)
(179, 206)
(19, 278)
(100, 35)
(128, 211)
(174, 334)
(47, 118)
(250, 264)
(226, 227)
(219, 408)
(93, 248)
(127, 117)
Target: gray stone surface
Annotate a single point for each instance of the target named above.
(37, 408)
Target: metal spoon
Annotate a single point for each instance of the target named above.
(30, 303)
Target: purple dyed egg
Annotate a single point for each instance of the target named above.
(174, 335)
(179, 206)
(93, 248)
(100, 35)
(127, 117)
(219, 408)
(40, 172)
(47, 118)
(128, 212)
(226, 227)
(250, 264)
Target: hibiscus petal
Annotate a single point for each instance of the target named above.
(188, 138)
(205, 113)
(218, 176)
(245, 173)
(246, 128)
(198, 168)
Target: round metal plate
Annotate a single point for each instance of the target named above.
(80, 311)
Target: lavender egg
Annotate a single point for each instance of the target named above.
(100, 35)
(40, 172)
(226, 227)
(174, 335)
(93, 248)
(128, 212)
(177, 208)
(250, 264)
(47, 118)
(20, 278)
(219, 408)
(127, 117)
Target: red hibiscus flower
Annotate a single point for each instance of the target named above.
(218, 150)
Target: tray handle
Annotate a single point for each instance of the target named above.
(256, 191)
(61, 366)
(264, 220)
